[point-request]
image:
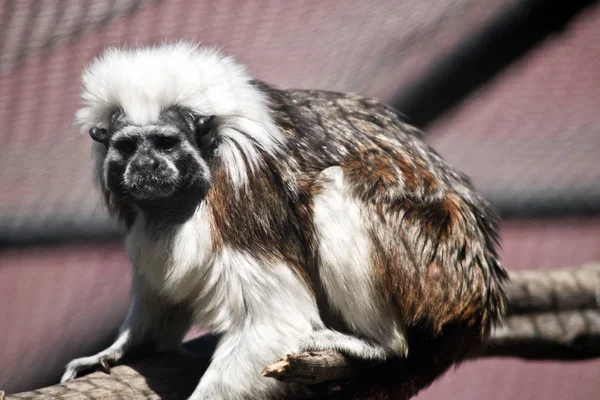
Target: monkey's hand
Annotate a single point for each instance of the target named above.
(102, 360)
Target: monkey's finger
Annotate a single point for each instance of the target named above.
(68, 375)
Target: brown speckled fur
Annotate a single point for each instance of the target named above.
(434, 238)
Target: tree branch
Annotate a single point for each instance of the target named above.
(167, 376)
(566, 335)
(555, 290)
(551, 315)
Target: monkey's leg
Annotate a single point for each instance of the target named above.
(149, 320)
(235, 369)
(327, 339)
(349, 277)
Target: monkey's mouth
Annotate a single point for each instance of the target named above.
(150, 186)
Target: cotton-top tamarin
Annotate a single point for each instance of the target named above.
(284, 221)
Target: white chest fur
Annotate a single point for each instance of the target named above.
(173, 262)
(226, 288)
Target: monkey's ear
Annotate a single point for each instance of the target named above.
(203, 124)
(99, 134)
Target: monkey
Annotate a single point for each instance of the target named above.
(284, 221)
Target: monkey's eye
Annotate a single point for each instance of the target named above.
(166, 142)
(126, 146)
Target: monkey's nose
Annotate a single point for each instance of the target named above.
(145, 162)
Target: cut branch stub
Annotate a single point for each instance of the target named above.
(310, 368)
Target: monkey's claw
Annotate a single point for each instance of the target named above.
(80, 365)
(104, 366)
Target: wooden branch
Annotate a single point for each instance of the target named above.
(551, 315)
(167, 376)
(555, 290)
(564, 335)
(568, 335)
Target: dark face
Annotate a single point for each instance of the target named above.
(152, 164)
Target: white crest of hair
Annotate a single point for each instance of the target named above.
(143, 81)
(345, 265)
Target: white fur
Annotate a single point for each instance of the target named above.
(345, 268)
(144, 81)
(262, 308)
(173, 262)
(327, 339)
(134, 131)
(264, 311)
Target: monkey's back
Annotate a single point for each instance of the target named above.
(433, 237)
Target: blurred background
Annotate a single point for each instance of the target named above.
(507, 90)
